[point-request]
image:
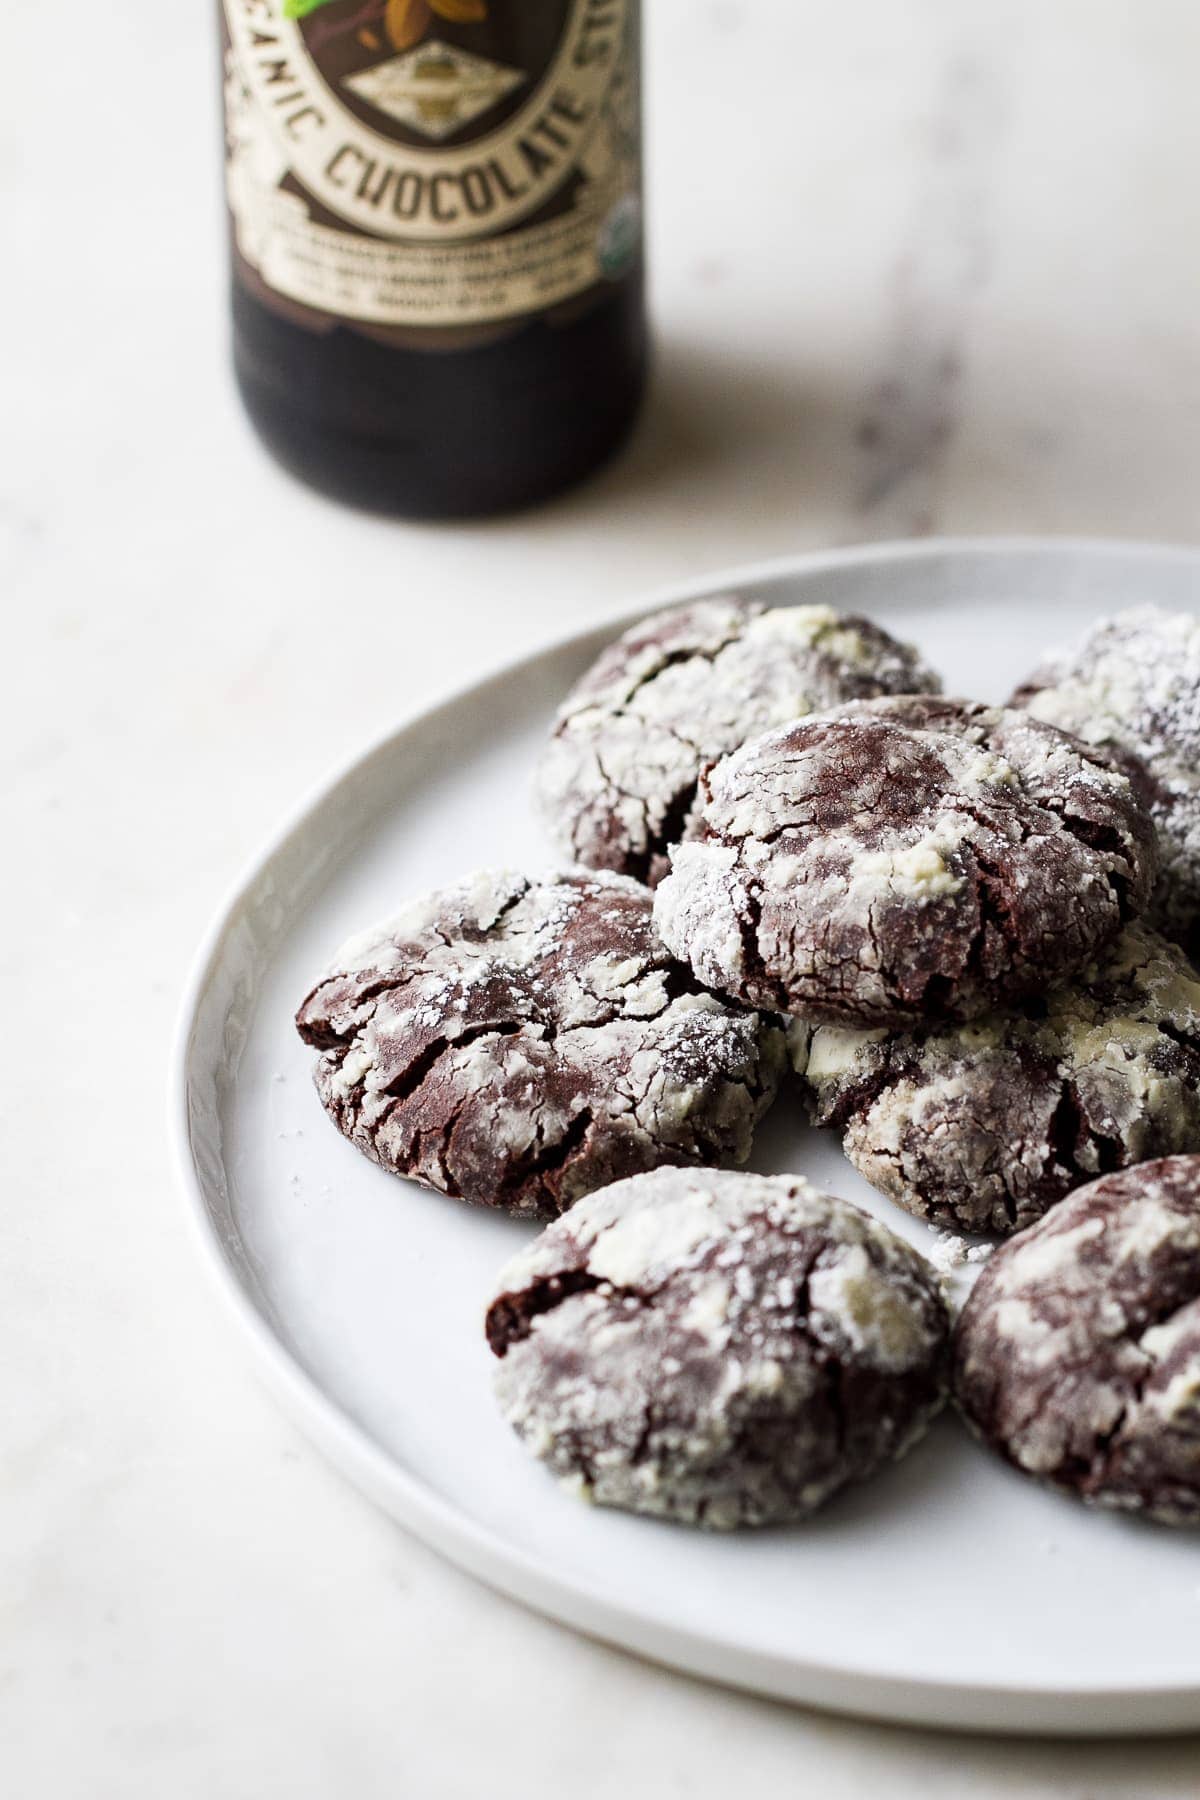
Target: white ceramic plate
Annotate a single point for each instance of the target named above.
(950, 1591)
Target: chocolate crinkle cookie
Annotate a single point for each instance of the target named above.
(618, 779)
(518, 1043)
(898, 859)
(717, 1348)
(1133, 685)
(981, 1127)
(1077, 1356)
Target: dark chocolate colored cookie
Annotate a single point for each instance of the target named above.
(901, 859)
(717, 1348)
(1077, 1356)
(518, 1043)
(1133, 686)
(983, 1126)
(618, 778)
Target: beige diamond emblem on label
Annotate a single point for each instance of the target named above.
(436, 88)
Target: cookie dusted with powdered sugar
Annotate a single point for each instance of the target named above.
(518, 1043)
(1133, 685)
(717, 1348)
(1077, 1356)
(899, 859)
(618, 778)
(981, 1127)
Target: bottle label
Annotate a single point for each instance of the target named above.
(433, 162)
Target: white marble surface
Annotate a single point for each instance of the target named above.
(919, 267)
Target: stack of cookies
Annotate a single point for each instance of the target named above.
(956, 930)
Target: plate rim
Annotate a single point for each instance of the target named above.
(1018, 1708)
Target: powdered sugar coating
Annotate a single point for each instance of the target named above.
(983, 1126)
(618, 779)
(518, 1043)
(717, 1348)
(1133, 685)
(1077, 1355)
(904, 858)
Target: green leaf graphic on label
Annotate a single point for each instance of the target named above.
(458, 12)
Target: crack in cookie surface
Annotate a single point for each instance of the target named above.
(904, 857)
(722, 1349)
(617, 782)
(1077, 1356)
(982, 1127)
(1133, 687)
(518, 1043)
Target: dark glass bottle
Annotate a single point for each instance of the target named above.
(438, 299)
